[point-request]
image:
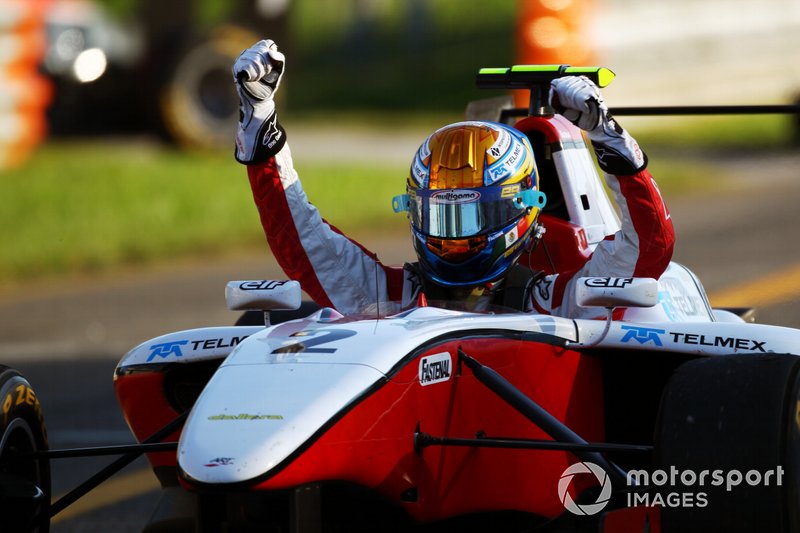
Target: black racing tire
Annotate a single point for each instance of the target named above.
(24, 484)
(199, 104)
(732, 413)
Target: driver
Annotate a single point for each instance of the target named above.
(473, 201)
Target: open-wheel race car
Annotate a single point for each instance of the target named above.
(669, 415)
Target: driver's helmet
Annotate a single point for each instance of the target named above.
(473, 199)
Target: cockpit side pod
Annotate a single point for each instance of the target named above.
(369, 441)
(161, 378)
(578, 214)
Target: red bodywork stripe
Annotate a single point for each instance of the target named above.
(143, 401)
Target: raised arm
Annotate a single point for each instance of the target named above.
(334, 270)
(643, 246)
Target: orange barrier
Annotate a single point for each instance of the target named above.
(24, 134)
(24, 93)
(553, 32)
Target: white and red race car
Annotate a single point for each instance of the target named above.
(676, 417)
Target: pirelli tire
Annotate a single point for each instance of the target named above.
(198, 102)
(24, 483)
(738, 416)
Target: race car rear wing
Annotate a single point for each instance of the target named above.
(537, 78)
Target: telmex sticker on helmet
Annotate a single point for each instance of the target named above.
(501, 145)
(425, 149)
(456, 197)
(514, 158)
(418, 171)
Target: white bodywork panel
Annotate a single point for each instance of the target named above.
(580, 183)
(282, 385)
(189, 346)
(261, 406)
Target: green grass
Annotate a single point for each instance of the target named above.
(86, 207)
(713, 132)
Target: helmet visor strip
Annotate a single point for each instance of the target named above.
(459, 213)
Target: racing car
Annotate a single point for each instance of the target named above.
(670, 415)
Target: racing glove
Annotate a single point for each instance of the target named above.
(579, 101)
(257, 74)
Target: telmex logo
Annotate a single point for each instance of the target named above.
(643, 335)
(166, 349)
(456, 197)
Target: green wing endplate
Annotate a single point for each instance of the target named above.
(529, 76)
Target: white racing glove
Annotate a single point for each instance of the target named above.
(257, 74)
(579, 101)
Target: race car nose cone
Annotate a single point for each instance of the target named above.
(252, 419)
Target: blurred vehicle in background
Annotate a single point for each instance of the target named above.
(166, 68)
(158, 70)
(91, 60)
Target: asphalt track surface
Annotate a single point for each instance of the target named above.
(66, 337)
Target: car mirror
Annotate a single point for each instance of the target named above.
(262, 295)
(616, 292)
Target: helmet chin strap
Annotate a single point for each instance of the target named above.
(538, 234)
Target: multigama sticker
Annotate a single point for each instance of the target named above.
(456, 197)
(435, 369)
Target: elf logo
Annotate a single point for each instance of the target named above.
(262, 285)
(435, 369)
(608, 283)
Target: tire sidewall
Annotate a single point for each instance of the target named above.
(791, 457)
(21, 412)
(184, 114)
(734, 412)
